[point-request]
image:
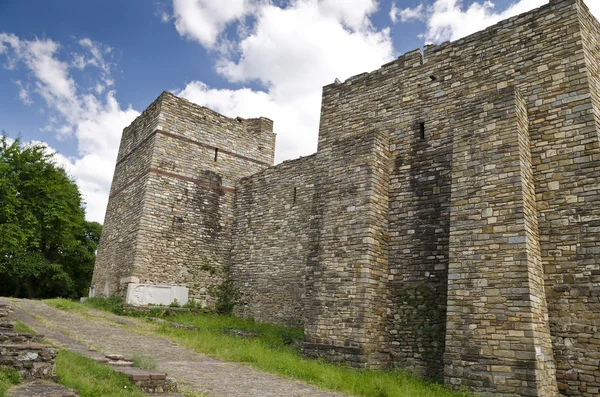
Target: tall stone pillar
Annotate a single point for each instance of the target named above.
(347, 266)
(498, 339)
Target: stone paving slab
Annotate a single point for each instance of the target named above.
(41, 390)
(193, 371)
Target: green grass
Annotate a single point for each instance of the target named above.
(24, 328)
(66, 305)
(144, 362)
(8, 378)
(113, 304)
(92, 379)
(276, 350)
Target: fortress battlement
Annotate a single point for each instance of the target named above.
(448, 224)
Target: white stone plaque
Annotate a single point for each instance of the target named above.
(146, 294)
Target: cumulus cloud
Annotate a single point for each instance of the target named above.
(204, 20)
(453, 19)
(353, 13)
(94, 120)
(293, 63)
(406, 14)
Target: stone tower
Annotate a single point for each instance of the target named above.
(169, 217)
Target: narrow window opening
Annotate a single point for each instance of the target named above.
(216, 153)
(422, 130)
(295, 193)
(433, 78)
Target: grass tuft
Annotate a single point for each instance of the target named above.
(8, 378)
(144, 362)
(92, 379)
(66, 305)
(24, 328)
(113, 304)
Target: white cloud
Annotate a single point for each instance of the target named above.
(95, 121)
(353, 13)
(293, 63)
(24, 92)
(406, 14)
(594, 6)
(452, 19)
(203, 20)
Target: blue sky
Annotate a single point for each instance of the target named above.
(74, 73)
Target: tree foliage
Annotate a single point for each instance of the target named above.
(47, 248)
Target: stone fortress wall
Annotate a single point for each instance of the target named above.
(449, 222)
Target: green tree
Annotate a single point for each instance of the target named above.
(46, 246)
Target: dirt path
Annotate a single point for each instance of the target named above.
(108, 333)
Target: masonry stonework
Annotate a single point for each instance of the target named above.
(449, 222)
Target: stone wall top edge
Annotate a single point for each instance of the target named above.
(586, 9)
(420, 57)
(185, 102)
(144, 115)
(293, 163)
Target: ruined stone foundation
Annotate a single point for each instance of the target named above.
(449, 222)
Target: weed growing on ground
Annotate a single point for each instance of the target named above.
(92, 379)
(24, 328)
(275, 349)
(144, 362)
(66, 305)
(114, 304)
(8, 378)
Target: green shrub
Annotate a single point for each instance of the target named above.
(8, 378)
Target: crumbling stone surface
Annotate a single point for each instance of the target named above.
(32, 360)
(25, 352)
(11, 337)
(38, 389)
(448, 224)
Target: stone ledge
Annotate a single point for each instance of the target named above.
(13, 337)
(148, 381)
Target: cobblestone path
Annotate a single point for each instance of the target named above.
(108, 333)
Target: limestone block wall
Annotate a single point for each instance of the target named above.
(570, 213)
(371, 242)
(272, 217)
(348, 255)
(497, 336)
(118, 243)
(541, 52)
(171, 203)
